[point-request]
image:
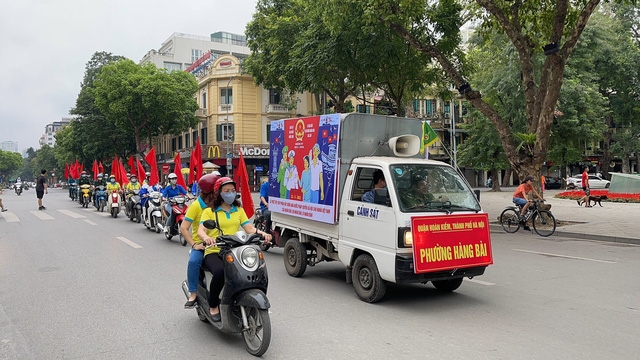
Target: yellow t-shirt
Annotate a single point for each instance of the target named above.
(131, 186)
(194, 213)
(113, 187)
(230, 223)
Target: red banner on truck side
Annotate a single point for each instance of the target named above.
(450, 242)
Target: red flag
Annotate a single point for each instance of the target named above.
(95, 170)
(66, 171)
(141, 172)
(192, 166)
(150, 158)
(115, 168)
(123, 175)
(101, 168)
(198, 149)
(177, 169)
(245, 191)
(132, 165)
(195, 164)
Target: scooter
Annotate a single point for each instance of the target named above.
(101, 198)
(134, 208)
(178, 209)
(152, 213)
(73, 192)
(244, 306)
(260, 223)
(18, 189)
(113, 205)
(85, 197)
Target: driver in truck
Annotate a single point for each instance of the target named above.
(418, 195)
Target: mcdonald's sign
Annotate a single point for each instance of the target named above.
(213, 152)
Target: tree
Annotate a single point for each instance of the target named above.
(542, 33)
(45, 159)
(10, 162)
(146, 101)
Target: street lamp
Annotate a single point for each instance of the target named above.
(229, 166)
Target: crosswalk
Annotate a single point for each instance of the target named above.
(51, 215)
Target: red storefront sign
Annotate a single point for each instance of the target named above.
(450, 242)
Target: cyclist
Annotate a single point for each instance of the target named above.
(520, 197)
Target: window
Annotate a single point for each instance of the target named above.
(195, 55)
(363, 183)
(416, 105)
(274, 97)
(203, 101)
(194, 136)
(180, 142)
(447, 108)
(268, 132)
(431, 107)
(203, 136)
(187, 137)
(171, 66)
(226, 96)
(173, 145)
(224, 132)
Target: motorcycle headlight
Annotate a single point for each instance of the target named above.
(249, 257)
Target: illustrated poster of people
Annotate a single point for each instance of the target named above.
(302, 166)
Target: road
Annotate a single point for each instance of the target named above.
(75, 284)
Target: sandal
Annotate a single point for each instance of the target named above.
(190, 304)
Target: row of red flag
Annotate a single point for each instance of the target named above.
(195, 172)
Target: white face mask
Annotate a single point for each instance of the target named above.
(174, 181)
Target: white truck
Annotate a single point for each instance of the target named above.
(425, 225)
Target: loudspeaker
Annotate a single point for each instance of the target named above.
(405, 145)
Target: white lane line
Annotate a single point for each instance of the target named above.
(129, 242)
(565, 256)
(10, 217)
(480, 282)
(94, 211)
(42, 215)
(90, 222)
(72, 214)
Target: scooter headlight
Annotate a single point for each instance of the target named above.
(249, 257)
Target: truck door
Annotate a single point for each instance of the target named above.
(366, 225)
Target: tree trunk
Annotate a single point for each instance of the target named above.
(507, 176)
(496, 183)
(625, 164)
(637, 162)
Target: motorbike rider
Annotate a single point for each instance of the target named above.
(72, 183)
(194, 212)
(84, 180)
(98, 182)
(130, 187)
(264, 204)
(229, 215)
(170, 191)
(112, 186)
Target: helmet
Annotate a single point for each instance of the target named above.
(99, 175)
(112, 176)
(147, 174)
(207, 182)
(128, 175)
(221, 182)
(134, 176)
(83, 173)
(172, 176)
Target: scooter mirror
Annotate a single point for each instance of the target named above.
(209, 224)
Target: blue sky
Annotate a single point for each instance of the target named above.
(46, 44)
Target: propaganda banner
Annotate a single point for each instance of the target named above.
(302, 167)
(450, 241)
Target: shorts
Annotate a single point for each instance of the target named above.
(520, 201)
(586, 191)
(40, 194)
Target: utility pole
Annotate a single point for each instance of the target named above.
(228, 131)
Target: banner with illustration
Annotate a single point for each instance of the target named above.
(450, 242)
(303, 164)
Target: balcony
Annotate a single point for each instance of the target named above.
(277, 111)
(201, 113)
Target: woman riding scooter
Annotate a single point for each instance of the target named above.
(229, 216)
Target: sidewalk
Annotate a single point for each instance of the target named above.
(615, 222)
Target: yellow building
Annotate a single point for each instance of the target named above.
(235, 115)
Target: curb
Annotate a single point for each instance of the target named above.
(580, 236)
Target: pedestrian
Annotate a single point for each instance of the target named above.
(585, 188)
(542, 180)
(41, 189)
(1, 205)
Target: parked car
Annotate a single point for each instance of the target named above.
(595, 182)
(552, 183)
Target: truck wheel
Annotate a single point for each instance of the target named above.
(447, 285)
(295, 257)
(366, 279)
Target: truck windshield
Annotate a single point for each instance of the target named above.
(423, 188)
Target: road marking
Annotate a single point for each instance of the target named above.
(94, 211)
(10, 217)
(129, 242)
(565, 256)
(72, 214)
(481, 282)
(90, 222)
(42, 215)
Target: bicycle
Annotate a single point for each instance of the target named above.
(543, 221)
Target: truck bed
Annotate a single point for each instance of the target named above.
(310, 227)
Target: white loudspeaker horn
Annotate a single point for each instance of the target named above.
(405, 145)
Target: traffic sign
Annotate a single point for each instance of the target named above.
(165, 169)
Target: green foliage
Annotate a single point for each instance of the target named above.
(482, 150)
(45, 159)
(10, 162)
(146, 101)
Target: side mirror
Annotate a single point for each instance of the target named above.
(381, 197)
(210, 224)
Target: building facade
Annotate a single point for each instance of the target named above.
(50, 130)
(9, 146)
